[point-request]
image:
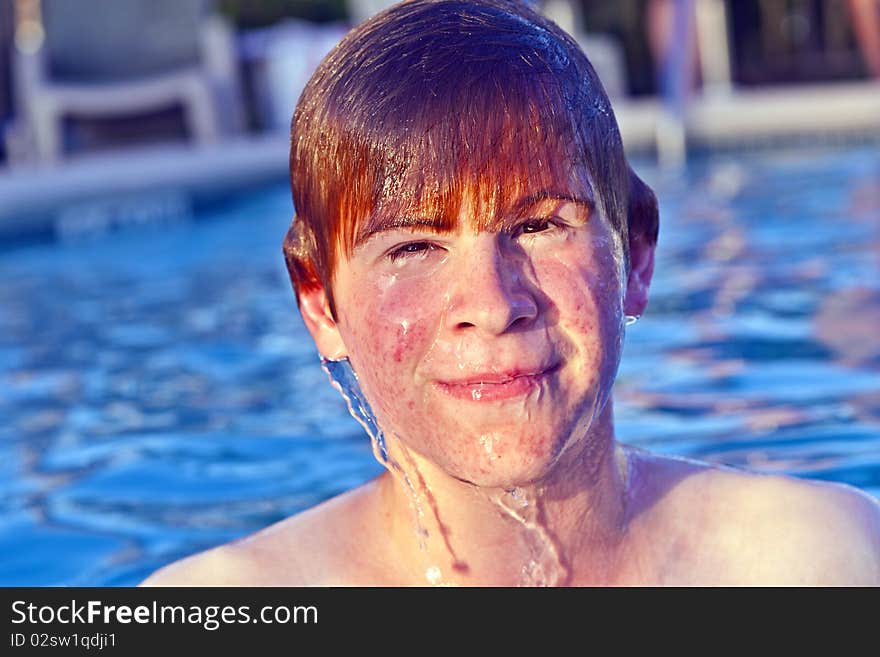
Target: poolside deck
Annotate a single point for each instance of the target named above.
(33, 200)
(747, 116)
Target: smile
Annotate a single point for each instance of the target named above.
(496, 386)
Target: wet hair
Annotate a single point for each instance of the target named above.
(434, 101)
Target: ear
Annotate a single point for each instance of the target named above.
(641, 260)
(315, 309)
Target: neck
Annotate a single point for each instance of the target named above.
(563, 529)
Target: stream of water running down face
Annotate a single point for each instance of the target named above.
(344, 379)
(545, 566)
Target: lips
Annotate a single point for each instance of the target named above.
(495, 385)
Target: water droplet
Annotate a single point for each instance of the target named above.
(433, 575)
(518, 498)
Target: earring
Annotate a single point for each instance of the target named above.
(629, 320)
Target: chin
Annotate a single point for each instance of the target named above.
(506, 480)
(507, 467)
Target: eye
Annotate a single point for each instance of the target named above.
(411, 249)
(535, 226)
(545, 225)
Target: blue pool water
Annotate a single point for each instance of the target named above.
(159, 394)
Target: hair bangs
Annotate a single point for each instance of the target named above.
(487, 148)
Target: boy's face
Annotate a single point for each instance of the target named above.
(489, 352)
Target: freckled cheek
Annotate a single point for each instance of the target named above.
(409, 316)
(388, 336)
(377, 355)
(569, 289)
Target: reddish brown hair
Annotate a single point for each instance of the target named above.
(434, 101)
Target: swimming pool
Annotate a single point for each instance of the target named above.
(159, 393)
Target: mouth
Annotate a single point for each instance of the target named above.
(497, 386)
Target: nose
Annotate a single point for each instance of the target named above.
(490, 294)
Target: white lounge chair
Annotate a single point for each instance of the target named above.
(117, 58)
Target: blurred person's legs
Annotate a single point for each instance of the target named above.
(671, 25)
(865, 15)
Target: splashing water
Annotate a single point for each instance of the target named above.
(545, 566)
(344, 379)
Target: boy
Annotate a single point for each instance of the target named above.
(470, 238)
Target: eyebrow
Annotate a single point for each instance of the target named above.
(381, 224)
(395, 222)
(548, 195)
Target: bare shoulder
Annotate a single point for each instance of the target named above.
(740, 527)
(811, 532)
(320, 546)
